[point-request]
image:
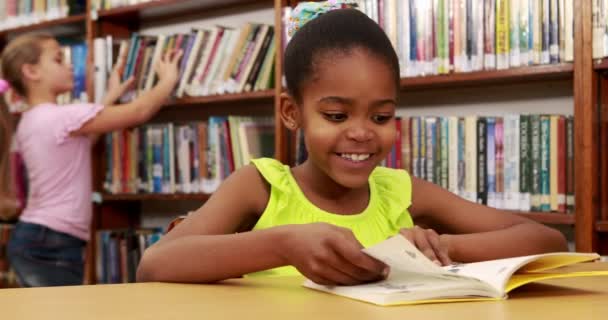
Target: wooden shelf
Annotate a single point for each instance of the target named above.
(549, 217)
(163, 9)
(226, 98)
(152, 196)
(600, 65)
(528, 73)
(601, 226)
(48, 26)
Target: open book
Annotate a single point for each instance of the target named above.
(415, 279)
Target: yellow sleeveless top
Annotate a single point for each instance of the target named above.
(385, 215)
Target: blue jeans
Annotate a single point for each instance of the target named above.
(42, 257)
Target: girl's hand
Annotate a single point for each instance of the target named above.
(116, 88)
(330, 255)
(167, 68)
(429, 243)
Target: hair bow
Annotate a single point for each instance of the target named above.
(4, 86)
(306, 11)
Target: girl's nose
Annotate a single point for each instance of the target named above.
(359, 133)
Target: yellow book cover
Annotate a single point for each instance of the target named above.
(502, 34)
(414, 279)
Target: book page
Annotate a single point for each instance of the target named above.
(404, 258)
(497, 272)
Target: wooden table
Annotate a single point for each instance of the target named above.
(284, 298)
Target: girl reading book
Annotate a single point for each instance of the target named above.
(46, 248)
(313, 219)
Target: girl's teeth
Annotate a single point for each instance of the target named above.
(355, 157)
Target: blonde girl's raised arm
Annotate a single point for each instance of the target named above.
(142, 108)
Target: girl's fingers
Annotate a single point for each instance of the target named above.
(423, 244)
(177, 54)
(440, 252)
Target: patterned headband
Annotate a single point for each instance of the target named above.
(4, 86)
(306, 11)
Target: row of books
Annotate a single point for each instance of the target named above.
(17, 13)
(111, 4)
(600, 29)
(218, 60)
(184, 158)
(76, 55)
(443, 36)
(517, 162)
(7, 276)
(118, 252)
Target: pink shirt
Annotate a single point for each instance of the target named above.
(58, 167)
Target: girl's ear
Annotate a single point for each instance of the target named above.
(289, 112)
(30, 72)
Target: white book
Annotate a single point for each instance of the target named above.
(217, 60)
(414, 279)
(470, 151)
(158, 51)
(569, 31)
(192, 88)
(514, 58)
(192, 58)
(99, 61)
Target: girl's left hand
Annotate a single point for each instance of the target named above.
(432, 245)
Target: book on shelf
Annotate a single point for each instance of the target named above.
(216, 60)
(184, 157)
(19, 13)
(414, 279)
(119, 251)
(514, 162)
(444, 36)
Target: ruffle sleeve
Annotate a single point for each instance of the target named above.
(73, 117)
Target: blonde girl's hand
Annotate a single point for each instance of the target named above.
(167, 68)
(329, 255)
(117, 87)
(429, 243)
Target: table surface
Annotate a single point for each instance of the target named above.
(285, 298)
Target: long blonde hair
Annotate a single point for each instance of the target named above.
(25, 49)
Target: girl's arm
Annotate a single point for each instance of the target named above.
(141, 109)
(475, 232)
(206, 247)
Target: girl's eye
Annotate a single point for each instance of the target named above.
(335, 117)
(381, 118)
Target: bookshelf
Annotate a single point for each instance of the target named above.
(59, 26)
(585, 74)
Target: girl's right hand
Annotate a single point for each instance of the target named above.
(167, 68)
(330, 255)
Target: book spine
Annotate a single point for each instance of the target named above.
(430, 148)
(482, 169)
(471, 158)
(416, 146)
(553, 163)
(561, 164)
(444, 152)
(489, 32)
(502, 34)
(545, 158)
(525, 162)
(536, 163)
(453, 146)
(570, 203)
(490, 165)
(500, 163)
(461, 158)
